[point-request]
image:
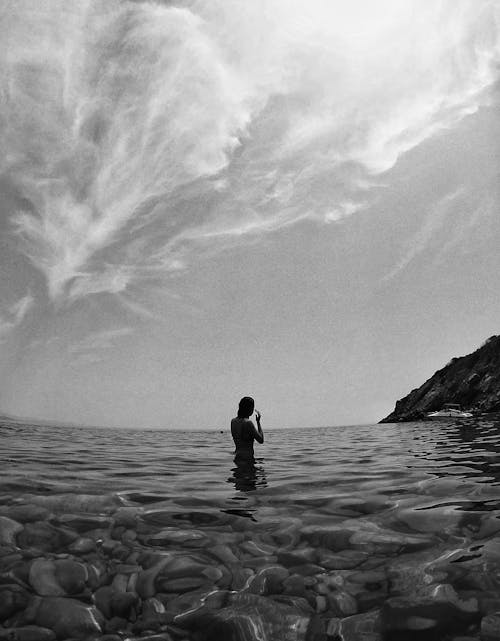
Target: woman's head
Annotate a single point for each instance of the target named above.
(246, 407)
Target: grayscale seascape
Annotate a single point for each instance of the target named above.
(211, 209)
(357, 533)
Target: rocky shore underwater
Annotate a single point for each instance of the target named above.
(418, 559)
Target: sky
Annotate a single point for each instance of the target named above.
(199, 201)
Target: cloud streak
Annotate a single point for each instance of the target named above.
(91, 348)
(15, 315)
(141, 134)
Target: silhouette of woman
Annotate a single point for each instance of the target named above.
(244, 432)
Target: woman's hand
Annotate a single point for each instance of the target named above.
(257, 415)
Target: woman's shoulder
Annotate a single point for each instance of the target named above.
(241, 421)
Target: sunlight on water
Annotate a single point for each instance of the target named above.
(387, 529)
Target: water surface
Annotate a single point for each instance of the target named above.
(381, 530)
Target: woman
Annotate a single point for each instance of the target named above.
(244, 431)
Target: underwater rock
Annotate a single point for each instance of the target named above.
(299, 604)
(307, 569)
(76, 503)
(8, 558)
(438, 610)
(360, 627)
(98, 574)
(71, 575)
(127, 516)
(175, 535)
(129, 536)
(26, 513)
(295, 585)
(490, 627)
(121, 581)
(269, 580)
(12, 599)
(44, 537)
(342, 603)
(120, 551)
(28, 633)
(249, 617)
(380, 541)
(83, 545)
(430, 520)
(68, 618)
(257, 549)
(145, 585)
(346, 560)
(84, 522)
(257, 562)
(223, 553)
(163, 636)
(42, 578)
(187, 566)
(57, 578)
(297, 557)
(153, 616)
(8, 530)
(184, 584)
(117, 624)
(115, 604)
(333, 538)
(102, 598)
(241, 577)
(190, 607)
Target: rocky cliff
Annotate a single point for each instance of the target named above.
(473, 381)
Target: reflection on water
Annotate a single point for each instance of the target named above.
(386, 531)
(248, 475)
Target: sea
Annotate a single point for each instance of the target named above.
(357, 533)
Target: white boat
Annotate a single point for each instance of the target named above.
(449, 412)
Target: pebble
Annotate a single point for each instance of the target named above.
(126, 516)
(437, 610)
(27, 633)
(84, 522)
(153, 616)
(76, 503)
(13, 598)
(346, 560)
(145, 585)
(307, 569)
(112, 603)
(223, 553)
(185, 584)
(8, 531)
(248, 617)
(102, 599)
(66, 617)
(490, 627)
(27, 513)
(342, 603)
(42, 578)
(164, 636)
(44, 537)
(175, 535)
(360, 627)
(82, 545)
(116, 624)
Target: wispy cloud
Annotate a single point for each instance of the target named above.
(433, 221)
(144, 134)
(14, 315)
(92, 348)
